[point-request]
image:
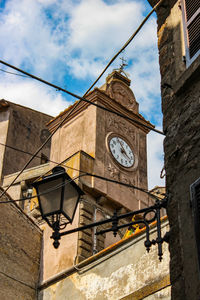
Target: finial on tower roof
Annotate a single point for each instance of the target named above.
(122, 66)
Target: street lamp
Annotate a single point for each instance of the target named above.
(58, 197)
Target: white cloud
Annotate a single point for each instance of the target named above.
(51, 38)
(34, 95)
(82, 68)
(96, 26)
(55, 39)
(98, 31)
(27, 37)
(144, 70)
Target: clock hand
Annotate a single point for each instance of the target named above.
(126, 155)
(123, 151)
(121, 145)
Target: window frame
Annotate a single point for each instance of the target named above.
(195, 204)
(189, 60)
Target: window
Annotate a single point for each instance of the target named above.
(44, 159)
(195, 197)
(191, 21)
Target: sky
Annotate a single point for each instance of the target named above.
(68, 43)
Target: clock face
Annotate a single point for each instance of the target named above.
(121, 152)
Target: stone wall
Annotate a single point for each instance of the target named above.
(122, 271)
(180, 87)
(20, 246)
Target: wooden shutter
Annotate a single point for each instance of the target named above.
(191, 16)
(195, 197)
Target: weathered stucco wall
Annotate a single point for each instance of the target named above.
(88, 129)
(54, 260)
(26, 131)
(22, 183)
(20, 247)
(125, 271)
(181, 119)
(77, 134)
(108, 124)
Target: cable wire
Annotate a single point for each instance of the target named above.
(14, 73)
(37, 156)
(80, 98)
(56, 187)
(84, 100)
(84, 173)
(17, 280)
(37, 151)
(64, 119)
(126, 44)
(81, 175)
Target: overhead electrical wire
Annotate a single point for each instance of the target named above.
(37, 156)
(110, 62)
(80, 98)
(17, 280)
(14, 73)
(127, 43)
(44, 193)
(84, 174)
(40, 148)
(58, 186)
(85, 100)
(120, 51)
(81, 175)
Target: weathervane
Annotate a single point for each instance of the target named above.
(122, 66)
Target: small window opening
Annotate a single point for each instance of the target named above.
(44, 159)
(195, 203)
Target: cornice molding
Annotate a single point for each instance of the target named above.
(100, 97)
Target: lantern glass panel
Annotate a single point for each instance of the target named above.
(50, 202)
(70, 200)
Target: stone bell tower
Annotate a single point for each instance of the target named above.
(105, 144)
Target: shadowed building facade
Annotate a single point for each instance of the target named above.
(179, 56)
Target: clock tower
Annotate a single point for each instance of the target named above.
(108, 145)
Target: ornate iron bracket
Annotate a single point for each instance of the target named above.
(148, 216)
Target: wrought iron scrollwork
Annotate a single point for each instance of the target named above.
(148, 216)
(154, 213)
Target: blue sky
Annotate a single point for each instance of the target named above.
(69, 42)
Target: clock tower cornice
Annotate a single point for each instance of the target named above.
(100, 97)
